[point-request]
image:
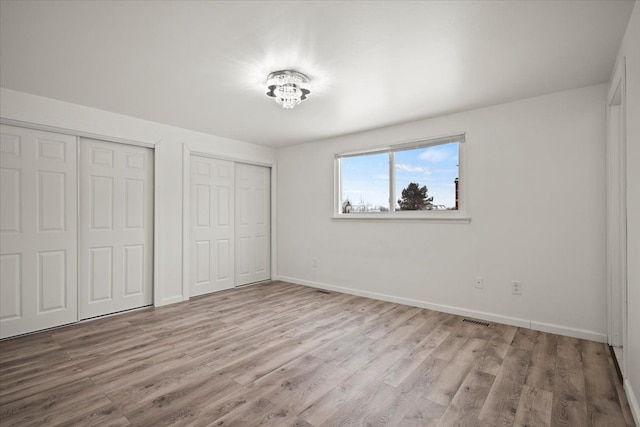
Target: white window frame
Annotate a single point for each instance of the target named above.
(460, 215)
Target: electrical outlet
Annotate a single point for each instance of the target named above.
(314, 262)
(516, 287)
(479, 284)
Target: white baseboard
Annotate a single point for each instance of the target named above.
(633, 401)
(570, 332)
(246, 285)
(490, 317)
(170, 300)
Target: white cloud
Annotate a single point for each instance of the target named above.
(434, 155)
(413, 169)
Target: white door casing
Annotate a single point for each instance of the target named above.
(212, 225)
(38, 217)
(253, 224)
(617, 215)
(616, 227)
(116, 227)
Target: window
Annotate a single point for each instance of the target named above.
(417, 179)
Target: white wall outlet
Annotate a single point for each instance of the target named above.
(479, 283)
(314, 262)
(516, 287)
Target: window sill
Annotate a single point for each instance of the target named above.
(401, 217)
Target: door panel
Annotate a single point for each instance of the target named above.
(116, 227)
(134, 204)
(224, 259)
(51, 281)
(100, 274)
(10, 200)
(212, 183)
(51, 201)
(203, 205)
(242, 256)
(224, 206)
(133, 270)
(38, 244)
(101, 196)
(203, 259)
(11, 302)
(253, 224)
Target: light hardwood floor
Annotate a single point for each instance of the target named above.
(286, 355)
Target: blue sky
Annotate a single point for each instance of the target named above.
(367, 177)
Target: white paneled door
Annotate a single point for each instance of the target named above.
(116, 227)
(38, 263)
(212, 225)
(253, 224)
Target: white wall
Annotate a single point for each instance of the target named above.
(631, 50)
(535, 182)
(168, 142)
(535, 190)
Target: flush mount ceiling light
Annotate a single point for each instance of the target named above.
(288, 87)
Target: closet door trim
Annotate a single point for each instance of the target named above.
(73, 132)
(187, 152)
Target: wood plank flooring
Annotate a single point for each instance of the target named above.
(284, 355)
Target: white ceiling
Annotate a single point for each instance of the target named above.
(201, 65)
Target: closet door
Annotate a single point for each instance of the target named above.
(116, 227)
(38, 230)
(212, 222)
(253, 224)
